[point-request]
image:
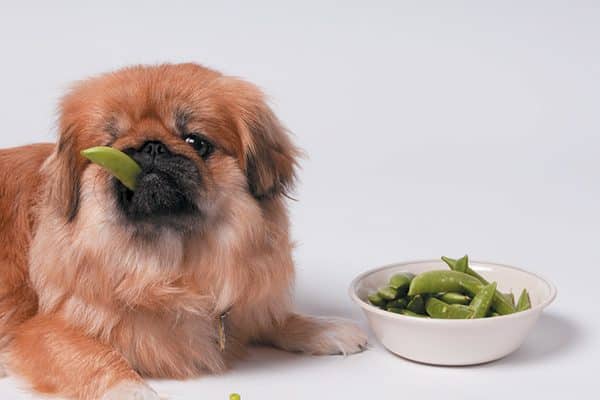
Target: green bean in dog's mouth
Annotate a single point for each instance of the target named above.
(457, 293)
(117, 163)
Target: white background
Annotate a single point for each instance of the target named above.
(431, 128)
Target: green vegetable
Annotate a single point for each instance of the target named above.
(235, 396)
(438, 309)
(524, 302)
(388, 292)
(119, 164)
(416, 305)
(454, 298)
(376, 300)
(401, 282)
(511, 297)
(462, 264)
(450, 261)
(483, 300)
(398, 303)
(454, 266)
(412, 314)
(395, 310)
(432, 282)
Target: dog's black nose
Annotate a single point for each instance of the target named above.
(154, 149)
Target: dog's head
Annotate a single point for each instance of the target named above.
(202, 140)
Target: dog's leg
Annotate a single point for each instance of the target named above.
(56, 358)
(318, 335)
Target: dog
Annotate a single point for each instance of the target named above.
(101, 286)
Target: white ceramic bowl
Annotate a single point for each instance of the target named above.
(454, 342)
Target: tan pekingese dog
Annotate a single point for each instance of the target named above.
(101, 286)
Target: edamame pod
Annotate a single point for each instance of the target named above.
(453, 264)
(401, 282)
(395, 310)
(432, 282)
(388, 293)
(416, 305)
(511, 297)
(483, 300)
(455, 298)
(119, 164)
(438, 309)
(524, 302)
(376, 299)
(412, 314)
(450, 261)
(462, 265)
(398, 303)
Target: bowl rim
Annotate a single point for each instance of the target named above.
(371, 308)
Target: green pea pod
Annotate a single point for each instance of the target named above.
(119, 164)
(524, 302)
(401, 282)
(438, 309)
(483, 300)
(398, 303)
(416, 305)
(453, 264)
(463, 266)
(388, 293)
(450, 261)
(395, 310)
(376, 300)
(493, 314)
(511, 297)
(412, 314)
(432, 282)
(454, 298)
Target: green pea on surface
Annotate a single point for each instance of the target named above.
(235, 396)
(119, 164)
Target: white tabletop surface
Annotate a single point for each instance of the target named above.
(431, 129)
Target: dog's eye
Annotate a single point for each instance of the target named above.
(202, 146)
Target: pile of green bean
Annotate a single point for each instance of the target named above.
(460, 293)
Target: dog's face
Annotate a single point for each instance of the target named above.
(204, 141)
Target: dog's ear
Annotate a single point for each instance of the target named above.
(270, 157)
(64, 171)
(65, 166)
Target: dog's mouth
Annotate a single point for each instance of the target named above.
(159, 200)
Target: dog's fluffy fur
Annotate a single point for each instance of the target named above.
(91, 300)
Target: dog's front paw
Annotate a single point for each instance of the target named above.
(338, 336)
(131, 391)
